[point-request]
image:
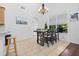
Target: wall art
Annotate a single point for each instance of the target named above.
(20, 20)
(74, 17)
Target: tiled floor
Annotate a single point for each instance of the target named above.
(29, 47)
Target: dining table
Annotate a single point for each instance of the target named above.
(43, 31)
(38, 32)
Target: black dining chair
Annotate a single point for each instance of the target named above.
(41, 39)
(49, 37)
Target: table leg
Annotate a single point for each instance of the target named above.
(57, 36)
(37, 37)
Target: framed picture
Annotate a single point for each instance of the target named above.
(74, 17)
(20, 20)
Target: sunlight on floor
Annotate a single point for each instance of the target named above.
(29, 47)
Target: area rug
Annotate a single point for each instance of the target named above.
(29, 47)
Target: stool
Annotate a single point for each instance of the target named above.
(8, 45)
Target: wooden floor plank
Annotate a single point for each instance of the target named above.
(71, 50)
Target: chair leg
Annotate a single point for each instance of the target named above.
(55, 38)
(15, 46)
(52, 41)
(8, 46)
(42, 41)
(47, 42)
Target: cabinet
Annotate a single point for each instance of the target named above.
(2, 44)
(2, 15)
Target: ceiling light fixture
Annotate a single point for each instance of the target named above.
(43, 9)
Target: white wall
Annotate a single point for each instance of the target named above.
(73, 28)
(61, 15)
(2, 40)
(21, 31)
(2, 43)
(30, 14)
(13, 10)
(60, 11)
(56, 12)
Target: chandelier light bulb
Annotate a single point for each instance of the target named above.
(43, 9)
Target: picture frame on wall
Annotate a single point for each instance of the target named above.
(74, 17)
(20, 20)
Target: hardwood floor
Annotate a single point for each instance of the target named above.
(71, 50)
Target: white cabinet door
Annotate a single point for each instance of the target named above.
(2, 44)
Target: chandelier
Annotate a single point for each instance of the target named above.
(43, 9)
